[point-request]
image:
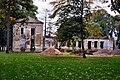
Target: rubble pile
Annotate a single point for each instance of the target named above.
(106, 52)
(103, 52)
(51, 51)
(116, 52)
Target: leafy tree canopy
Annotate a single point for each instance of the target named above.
(102, 20)
(19, 9)
(69, 21)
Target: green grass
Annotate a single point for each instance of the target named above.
(28, 66)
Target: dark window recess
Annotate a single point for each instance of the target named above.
(95, 44)
(32, 39)
(79, 44)
(68, 44)
(63, 44)
(32, 31)
(74, 43)
(32, 43)
(22, 30)
(101, 44)
(89, 44)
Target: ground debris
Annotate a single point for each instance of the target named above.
(51, 51)
(106, 52)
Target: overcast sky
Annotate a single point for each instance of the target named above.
(42, 5)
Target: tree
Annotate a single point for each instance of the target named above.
(93, 29)
(116, 7)
(106, 22)
(19, 9)
(117, 27)
(69, 29)
(71, 13)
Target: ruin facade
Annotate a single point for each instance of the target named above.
(28, 36)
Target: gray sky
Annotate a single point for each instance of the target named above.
(42, 5)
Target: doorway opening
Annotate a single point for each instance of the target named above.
(32, 46)
(89, 44)
(101, 44)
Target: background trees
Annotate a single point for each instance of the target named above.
(103, 21)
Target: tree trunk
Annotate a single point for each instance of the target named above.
(84, 56)
(82, 32)
(119, 39)
(113, 43)
(8, 27)
(44, 31)
(11, 38)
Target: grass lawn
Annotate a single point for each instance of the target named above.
(28, 66)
